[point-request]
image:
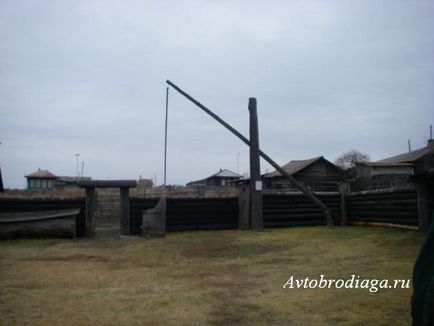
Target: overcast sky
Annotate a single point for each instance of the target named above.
(89, 77)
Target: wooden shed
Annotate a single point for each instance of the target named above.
(318, 174)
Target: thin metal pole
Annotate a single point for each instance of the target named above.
(327, 212)
(165, 135)
(76, 166)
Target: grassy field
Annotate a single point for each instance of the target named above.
(212, 278)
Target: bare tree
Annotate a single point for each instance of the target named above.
(349, 159)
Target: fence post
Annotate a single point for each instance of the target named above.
(90, 212)
(343, 189)
(256, 219)
(422, 206)
(125, 210)
(243, 207)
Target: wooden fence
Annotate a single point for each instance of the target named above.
(283, 209)
(394, 206)
(184, 214)
(8, 205)
(280, 209)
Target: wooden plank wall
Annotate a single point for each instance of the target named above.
(283, 209)
(201, 213)
(293, 209)
(40, 204)
(184, 214)
(398, 206)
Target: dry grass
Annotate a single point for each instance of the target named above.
(214, 278)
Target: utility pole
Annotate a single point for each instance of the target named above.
(82, 168)
(165, 135)
(76, 165)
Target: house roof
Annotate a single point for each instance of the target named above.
(383, 164)
(223, 173)
(409, 157)
(41, 174)
(294, 167)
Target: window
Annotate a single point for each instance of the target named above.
(44, 183)
(50, 184)
(32, 183)
(223, 182)
(38, 183)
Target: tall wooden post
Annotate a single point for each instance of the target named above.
(243, 207)
(125, 210)
(423, 206)
(90, 212)
(256, 219)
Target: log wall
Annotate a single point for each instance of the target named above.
(292, 209)
(8, 205)
(395, 206)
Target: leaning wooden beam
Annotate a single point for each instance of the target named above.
(327, 212)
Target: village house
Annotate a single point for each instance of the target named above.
(317, 174)
(376, 175)
(422, 159)
(223, 178)
(44, 179)
(395, 171)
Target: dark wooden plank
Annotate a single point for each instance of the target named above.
(107, 183)
(17, 217)
(90, 212)
(61, 227)
(125, 210)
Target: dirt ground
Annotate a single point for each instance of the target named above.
(206, 278)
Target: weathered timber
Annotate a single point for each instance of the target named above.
(327, 212)
(391, 225)
(91, 202)
(107, 183)
(343, 190)
(256, 219)
(423, 206)
(393, 220)
(394, 191)
(392, 205)
(39, 224)
(154, 220)
(125, 210)
(243, 207)
(189, 213)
